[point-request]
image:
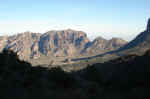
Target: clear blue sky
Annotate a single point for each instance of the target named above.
(107, 18)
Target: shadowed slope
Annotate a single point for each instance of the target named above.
(123, 78)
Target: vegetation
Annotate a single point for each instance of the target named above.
(123, 78)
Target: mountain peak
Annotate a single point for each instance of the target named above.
(148, 25)
(138, 45)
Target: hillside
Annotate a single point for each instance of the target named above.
(124, 78)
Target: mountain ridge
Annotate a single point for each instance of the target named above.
(62, 43)
(140, 42)
(138, 46)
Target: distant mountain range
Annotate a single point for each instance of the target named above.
(65, 43)
(72, 44)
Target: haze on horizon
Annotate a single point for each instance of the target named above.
(111, 18)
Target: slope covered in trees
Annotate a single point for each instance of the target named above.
(124, 78)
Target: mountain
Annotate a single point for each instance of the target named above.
(101, 45)
(62, 43)
(139, 45)
(58, 44)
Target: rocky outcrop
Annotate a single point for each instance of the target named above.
(139, 45)
(148, 26)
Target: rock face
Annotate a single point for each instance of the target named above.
(140, 44)
(62, 43)
(24, 44)
(65, 43)
(101, 45)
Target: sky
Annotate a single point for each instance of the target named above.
(106, 18)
